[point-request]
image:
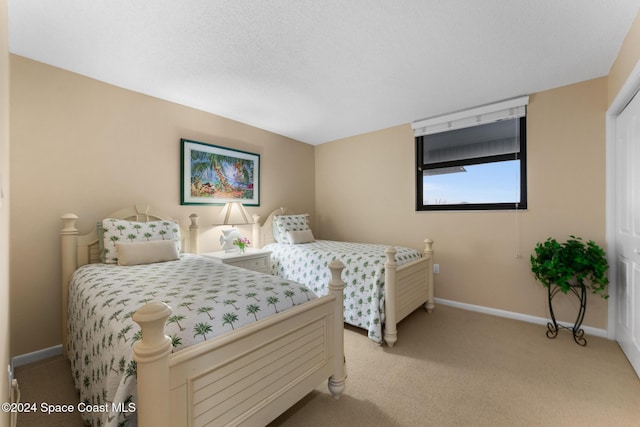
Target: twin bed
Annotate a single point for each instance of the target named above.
(160, 338)
(383, 284)
(247, 375)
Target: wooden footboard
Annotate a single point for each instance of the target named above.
(406, 288)
(247, 377)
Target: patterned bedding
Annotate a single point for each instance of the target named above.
(207, 298)
(363, 275)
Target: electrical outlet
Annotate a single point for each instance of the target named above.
(436, 268)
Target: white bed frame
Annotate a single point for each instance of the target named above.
(247, 377)
(406, 288)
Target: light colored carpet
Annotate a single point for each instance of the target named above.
(449, 368)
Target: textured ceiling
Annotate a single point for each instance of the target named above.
(320, 70)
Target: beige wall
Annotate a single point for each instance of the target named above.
(365, 190)
(4, 208)
(82, 146)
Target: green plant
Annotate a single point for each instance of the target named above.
(242, 243)
(570, 264)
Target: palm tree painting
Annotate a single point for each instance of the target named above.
(214, 175)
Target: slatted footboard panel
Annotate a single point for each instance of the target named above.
(412, 288)
(252, 376)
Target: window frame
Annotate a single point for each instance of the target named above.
(522, 156)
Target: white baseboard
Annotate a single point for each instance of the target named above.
(596, 332)
(35, 356)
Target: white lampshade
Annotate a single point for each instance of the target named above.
(234, 213)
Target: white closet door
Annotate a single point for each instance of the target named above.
(628, 232)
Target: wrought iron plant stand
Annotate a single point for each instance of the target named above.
(553, 326)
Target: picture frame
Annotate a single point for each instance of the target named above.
(214, 175)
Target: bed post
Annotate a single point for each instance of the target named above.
(194, 238)
(255, 232)
(430, 305)
(336, 287)
(390, 289)
(69, 249)
(151, 354)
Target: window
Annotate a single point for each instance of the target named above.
(473, 160)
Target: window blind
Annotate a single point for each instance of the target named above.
(509, 109)
(490, 139)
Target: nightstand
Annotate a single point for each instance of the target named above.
(251, 259)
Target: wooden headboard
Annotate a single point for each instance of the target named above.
(263, 234)
(80, 249)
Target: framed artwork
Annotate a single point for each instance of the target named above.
(213, 175)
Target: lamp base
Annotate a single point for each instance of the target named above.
(227, 238)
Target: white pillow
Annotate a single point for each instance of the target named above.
(284, 223)
(301, 236)
(119, 230)
(146, 252)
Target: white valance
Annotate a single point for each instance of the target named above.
(509, 109)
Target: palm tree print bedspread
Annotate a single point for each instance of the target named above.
(207, 299)
(363, 275)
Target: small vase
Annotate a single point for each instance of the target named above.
(241, 249)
